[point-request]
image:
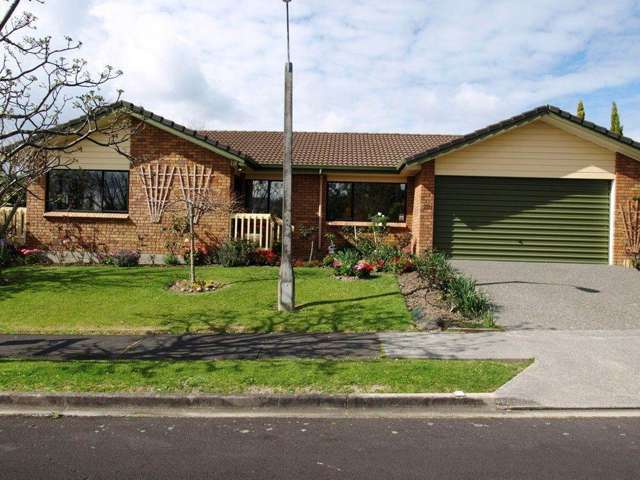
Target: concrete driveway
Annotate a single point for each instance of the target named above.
(559, 296)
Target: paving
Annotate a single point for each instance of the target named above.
(559, 296)
(190, 347)
(320, 448)
(572, 369)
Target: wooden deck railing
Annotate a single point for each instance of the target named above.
(18, 223)
(263, 229)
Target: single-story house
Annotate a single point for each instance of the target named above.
(541, 186)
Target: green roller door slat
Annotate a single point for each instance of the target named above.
(523, 219)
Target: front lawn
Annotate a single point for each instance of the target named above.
(111, 300)
(258, 376)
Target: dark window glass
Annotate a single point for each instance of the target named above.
(115, 191)
(339, 197)
(371, 198)
(258, 196)
(360, 201)
(264, 196)
(275, 198)
(88, 190)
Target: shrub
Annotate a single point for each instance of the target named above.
(266, 257)
(203, 255)
(434, 268)
(171, 259)
(363, 269)
(235, 253)
(365, 245)
(466, 298)
(8, 254)
(126, 258)
(33, 256)
(384, 254)
(345, 261)
(402, 264)
(313, 264)
(327, 261)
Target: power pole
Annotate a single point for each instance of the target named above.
(286, 281)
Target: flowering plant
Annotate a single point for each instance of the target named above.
(363, 269)
(25, 252)
(32, 256)
(266, 257)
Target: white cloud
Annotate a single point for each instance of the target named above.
(410, 65)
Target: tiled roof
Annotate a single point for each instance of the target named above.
(350, 150)
(340, 150)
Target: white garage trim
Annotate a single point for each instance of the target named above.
(612, 221)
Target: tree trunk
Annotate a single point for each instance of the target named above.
(6, 225)
(192, 265)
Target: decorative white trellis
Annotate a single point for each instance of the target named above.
(630, 212)
(194, 183)
(156, 181)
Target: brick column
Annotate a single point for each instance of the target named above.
(627, 187)
(423, 205)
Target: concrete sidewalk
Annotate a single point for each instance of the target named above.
(190, 347)
(572, 369)
(577, 369)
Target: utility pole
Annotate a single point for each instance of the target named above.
(286, 281)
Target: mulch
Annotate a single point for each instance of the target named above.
(429, 310)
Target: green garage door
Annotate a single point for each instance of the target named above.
(526, 219)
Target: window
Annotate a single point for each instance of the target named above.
(88, 190)
(356, 201)
(264, 196)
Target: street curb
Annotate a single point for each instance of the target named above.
(61, 401)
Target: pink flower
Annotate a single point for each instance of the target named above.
(30, 251)
(364, 267)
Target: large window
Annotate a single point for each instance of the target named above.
(88, 190)
(264, 196)
(356, 201)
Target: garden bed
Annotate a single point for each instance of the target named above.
(428, 309)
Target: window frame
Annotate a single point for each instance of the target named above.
(352, 197)
(102, 210)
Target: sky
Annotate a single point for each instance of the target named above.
(420, 66)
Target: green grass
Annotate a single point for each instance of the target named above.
(258, 376)
(102, 300)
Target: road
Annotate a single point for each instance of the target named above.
(261, 448)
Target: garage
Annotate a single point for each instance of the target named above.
(523, 219)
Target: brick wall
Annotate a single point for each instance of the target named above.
(305, 199)
(423, 206)
(149, 144)
(627, 187)
(306, 211)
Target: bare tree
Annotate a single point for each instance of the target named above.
(40, 85)
(194, 207)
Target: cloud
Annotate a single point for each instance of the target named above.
(362, 65)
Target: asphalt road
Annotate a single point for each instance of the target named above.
(153, 448)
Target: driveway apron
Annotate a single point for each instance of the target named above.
(572, 369)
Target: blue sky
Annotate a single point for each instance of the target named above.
(376, 65)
